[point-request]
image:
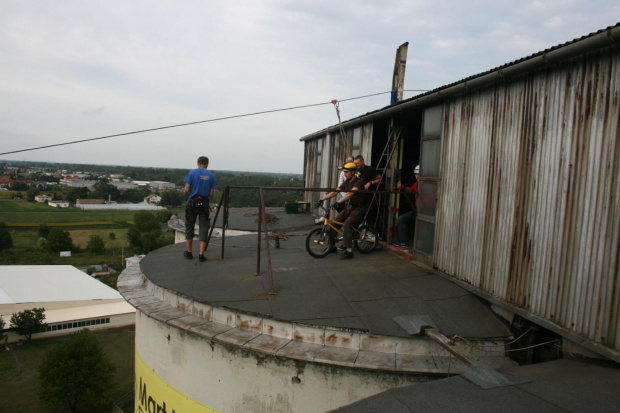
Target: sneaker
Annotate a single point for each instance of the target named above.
(346, 256)
(342, 248)
(188, 255)
(401, 244)
(202, 258)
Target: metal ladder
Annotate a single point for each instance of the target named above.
(386, 156)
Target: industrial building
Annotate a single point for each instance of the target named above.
(519, 190)
(71, 298)
(516, 241)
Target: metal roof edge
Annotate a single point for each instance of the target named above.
(609, 36)
(600, 349)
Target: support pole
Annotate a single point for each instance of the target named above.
(225, 218)
(259, 232)
(269, 266)
(217, 212)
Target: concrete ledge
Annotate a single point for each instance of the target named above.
(322, 345)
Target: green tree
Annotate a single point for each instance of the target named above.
(133, 237)
(145, 235)
(77, 371)
(172, 198)
(105, 190)
(150, 241)
(31, 193)
(6, 241)
(135, 195)
(75, 193)
(2, 335)
(19, 186)
(163, 215)
(44, 231)
(29, 322)
(145, 221)
(95, 244)
(59, 240)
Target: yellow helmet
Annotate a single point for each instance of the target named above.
(349, 166)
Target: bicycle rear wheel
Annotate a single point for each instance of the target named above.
(319, 243)
(366, 239)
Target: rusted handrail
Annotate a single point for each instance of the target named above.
(262, 219)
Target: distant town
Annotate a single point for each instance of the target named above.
(23, 176)
(84, 186)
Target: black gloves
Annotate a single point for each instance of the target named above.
(319, 203)
(338, 206)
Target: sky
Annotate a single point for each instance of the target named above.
(77, 70)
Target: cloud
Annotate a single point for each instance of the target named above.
(94, 111)
(142, 65)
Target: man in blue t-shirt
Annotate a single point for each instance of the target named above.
(200, 183)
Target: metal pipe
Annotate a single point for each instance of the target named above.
(260, 221)
(268, 251)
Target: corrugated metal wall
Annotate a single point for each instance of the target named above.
(335, 150)
(529, 205)
(310, 161)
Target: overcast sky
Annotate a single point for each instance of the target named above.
(73, 70)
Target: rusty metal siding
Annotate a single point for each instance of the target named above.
(336, 148)
(310, 149)
(366, 143)
(529, 205)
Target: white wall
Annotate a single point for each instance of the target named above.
(231, 379)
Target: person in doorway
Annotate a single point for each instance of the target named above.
(341, 178)
(408, 217)
(200, 183)
(367, 173)
(352, 217)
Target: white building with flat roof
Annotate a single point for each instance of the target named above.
(72, 299)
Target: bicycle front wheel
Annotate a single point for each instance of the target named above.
(366, 239)
(319, 243)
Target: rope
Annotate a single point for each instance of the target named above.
(336, 104)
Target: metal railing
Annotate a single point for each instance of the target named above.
(262, 219)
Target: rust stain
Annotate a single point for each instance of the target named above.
(551, 156)
(331, 339)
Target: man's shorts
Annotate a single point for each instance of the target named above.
(204, 223)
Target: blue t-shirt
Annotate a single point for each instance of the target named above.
(201, 182)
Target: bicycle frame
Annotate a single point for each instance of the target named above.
(320, 241)
(330, 223)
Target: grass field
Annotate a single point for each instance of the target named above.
(24, 212)
(27, 237)
(23, 219)
(81, 237)
(19, 392)
(11, 194)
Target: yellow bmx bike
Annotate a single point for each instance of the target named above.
(320, 241)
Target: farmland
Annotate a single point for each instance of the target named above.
(23, 213)
(24, 218)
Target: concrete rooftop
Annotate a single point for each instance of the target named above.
(363, 294)
(560, 386)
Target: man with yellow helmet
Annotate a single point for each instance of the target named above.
(356, 209)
